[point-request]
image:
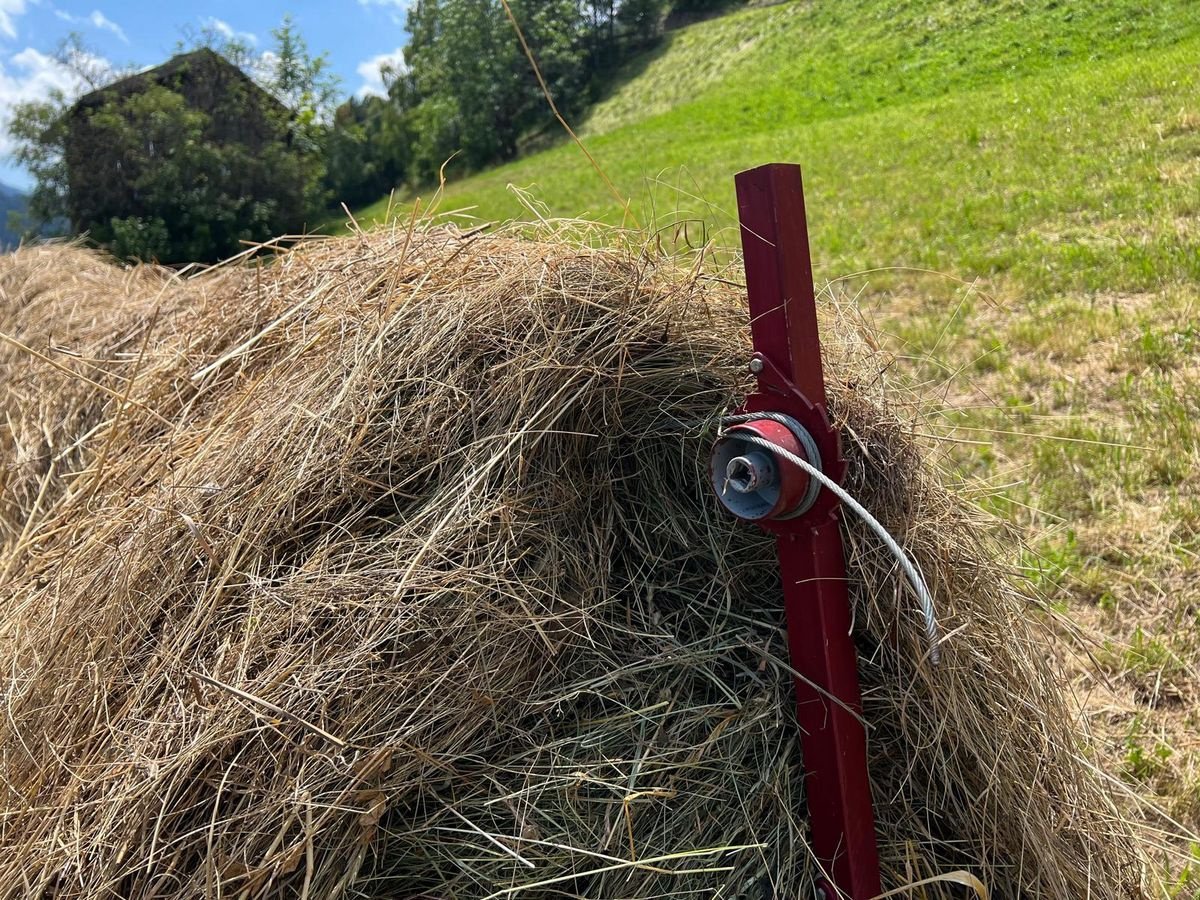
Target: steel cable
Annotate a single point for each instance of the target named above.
(911, 572)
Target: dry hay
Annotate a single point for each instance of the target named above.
(389, 569)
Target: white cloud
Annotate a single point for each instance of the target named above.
(228, 32)
(32, 75)
(262, 67)
(371, 71)
(39, 74)
(10, 9)
(396, 9)
(97, 19)
(103, 22)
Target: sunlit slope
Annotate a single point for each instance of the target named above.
(969, 136)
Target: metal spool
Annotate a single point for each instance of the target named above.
(752, 482)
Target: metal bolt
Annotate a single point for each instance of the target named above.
(756, 365)
(741, 474)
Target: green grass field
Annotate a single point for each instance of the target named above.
(979, 137)
(1021, 182)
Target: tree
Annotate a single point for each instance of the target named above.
(470, 86)
(366, 154)
(639, 23)
(38, 129)
(468, 91)
(303, 83)
(191, 182)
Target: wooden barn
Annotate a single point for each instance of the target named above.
(104, 176)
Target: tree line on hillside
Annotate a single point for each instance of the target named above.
(467, 90)
(196, 190)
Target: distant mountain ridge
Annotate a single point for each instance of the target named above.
(11, 200)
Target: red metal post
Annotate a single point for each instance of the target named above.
(783, 321)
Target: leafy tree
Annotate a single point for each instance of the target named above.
(300, 81)
(639, 23)
(188, 184)
(365, 155)
(304, 84)
(468, 91)
(470, 86)
(38, 129)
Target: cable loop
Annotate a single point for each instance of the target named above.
(912, 574)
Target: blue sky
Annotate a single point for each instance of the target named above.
(359, 36)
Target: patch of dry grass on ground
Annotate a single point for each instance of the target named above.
(1078, 418)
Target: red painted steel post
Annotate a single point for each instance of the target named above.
(783, 321)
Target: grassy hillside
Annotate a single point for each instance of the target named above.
(1046, 156)
(932, 133)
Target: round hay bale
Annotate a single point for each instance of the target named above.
(389, 568)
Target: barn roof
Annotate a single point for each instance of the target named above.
(201, 63)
